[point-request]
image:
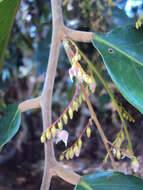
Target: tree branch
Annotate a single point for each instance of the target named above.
(66, 174)
(77, 35)
(46, 97)
(52, 167)
(30, 104)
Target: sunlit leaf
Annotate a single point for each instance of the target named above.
(122, 53)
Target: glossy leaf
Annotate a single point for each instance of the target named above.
(110, 181)
(9, 124)
(122, 53)
(8, 10)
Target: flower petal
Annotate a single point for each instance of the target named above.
(62, 136)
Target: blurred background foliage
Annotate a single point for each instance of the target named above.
(22, 77)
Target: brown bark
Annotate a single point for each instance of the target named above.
(59, 32)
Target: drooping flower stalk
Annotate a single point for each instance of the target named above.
(75, 149)
(51, 131)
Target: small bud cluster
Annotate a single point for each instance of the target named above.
(75, 149)
(125, 114)
(117, 145)
(73, 106)
(121, 153)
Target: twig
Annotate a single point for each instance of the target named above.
(93, 115)
(77, 35)
(29, 104)
(95, 71)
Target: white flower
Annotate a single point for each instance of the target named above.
(92, 87)
(73, 72)
(62, 135)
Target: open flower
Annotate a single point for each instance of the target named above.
(77, 71)
(62, 135)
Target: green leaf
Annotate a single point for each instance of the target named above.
(122, 53)
(8, 10)
(9, 124)
(110, 181)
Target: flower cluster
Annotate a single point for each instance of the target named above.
(76, 69)
(125, 114)
(75, 149)
(56, 129)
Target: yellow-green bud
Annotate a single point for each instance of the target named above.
(75, 59)
(118, 154)
(71, 153)
(88, 132)
(88, 80)
(70, 111)
(43, 138)
(80, 74)
(48, 134)
(60, 125)
(61, 157)
(75, 106)
(138, 24)
(122, 136)
(79, 143)
(67, 155)
(80, 99)
(79, 57)
(53, 131)
(76, 150)
(65, 118)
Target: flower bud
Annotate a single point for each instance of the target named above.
(48, 134)
(67, 155)
(122, 136)
(70, 111)
(138, 24)
(65, 118)
(118, 154)
(75, 59)
(61, 157)
(80, 99)
(60, 125)
(53, 131)
(79, 57)
(88, 132)
(75, 105)
(43, 138)
(71, 153)
(88, 79)
(76, 151)
(79, 143)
